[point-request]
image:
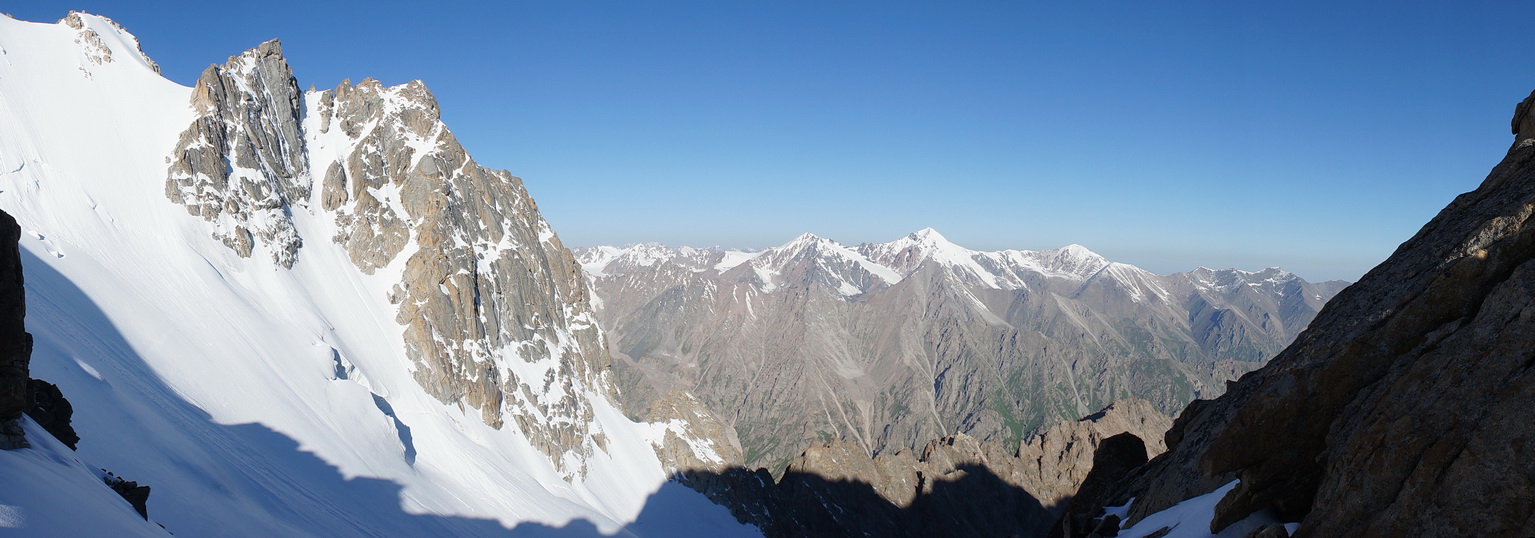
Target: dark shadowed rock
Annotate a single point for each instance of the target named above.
(131, 491)
(51, 411)
(1115, 458)
(955, 486)
(1269, 531)
(1400, 412)
(15, 343)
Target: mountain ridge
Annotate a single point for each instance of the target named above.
(898, 343)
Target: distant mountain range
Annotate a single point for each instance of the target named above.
(891, 345)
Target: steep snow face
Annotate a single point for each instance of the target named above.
(258, 399)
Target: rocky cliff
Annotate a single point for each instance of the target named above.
(1399, 412)
(494, 310)
(15, 343)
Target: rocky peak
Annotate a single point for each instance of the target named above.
(95, 35)
(495, 309)
(241, 165)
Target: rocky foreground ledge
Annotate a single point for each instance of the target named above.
(1401, 411)
(956, 485)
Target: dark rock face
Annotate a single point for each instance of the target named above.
(1115, 458)
(1400, 411)
(971, 502)
(15, 343)
(51, 411)
(136, 495)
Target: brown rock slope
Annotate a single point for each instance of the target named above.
(1400, 412)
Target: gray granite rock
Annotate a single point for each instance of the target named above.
(240, 164)
(495, 311)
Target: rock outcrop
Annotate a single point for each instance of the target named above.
(52, 411)
(1399, 412)
(15, 343)
(240, 165)
(694, 439)
(955, 486)
(131, 491)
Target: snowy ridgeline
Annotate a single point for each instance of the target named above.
(254, 399)
(853, 270)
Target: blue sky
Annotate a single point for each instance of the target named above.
(1226, 134)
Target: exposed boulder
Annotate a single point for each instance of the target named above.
(51, 411)
(1399, 412)
(131, 491)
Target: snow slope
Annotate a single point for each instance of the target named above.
(255, 400)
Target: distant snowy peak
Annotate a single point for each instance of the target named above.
(103, 41)
(854, 270)
(603, 261)
(906, 253)
(809, 259)
(1230, 279)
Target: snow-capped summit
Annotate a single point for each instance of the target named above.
(813, 259)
